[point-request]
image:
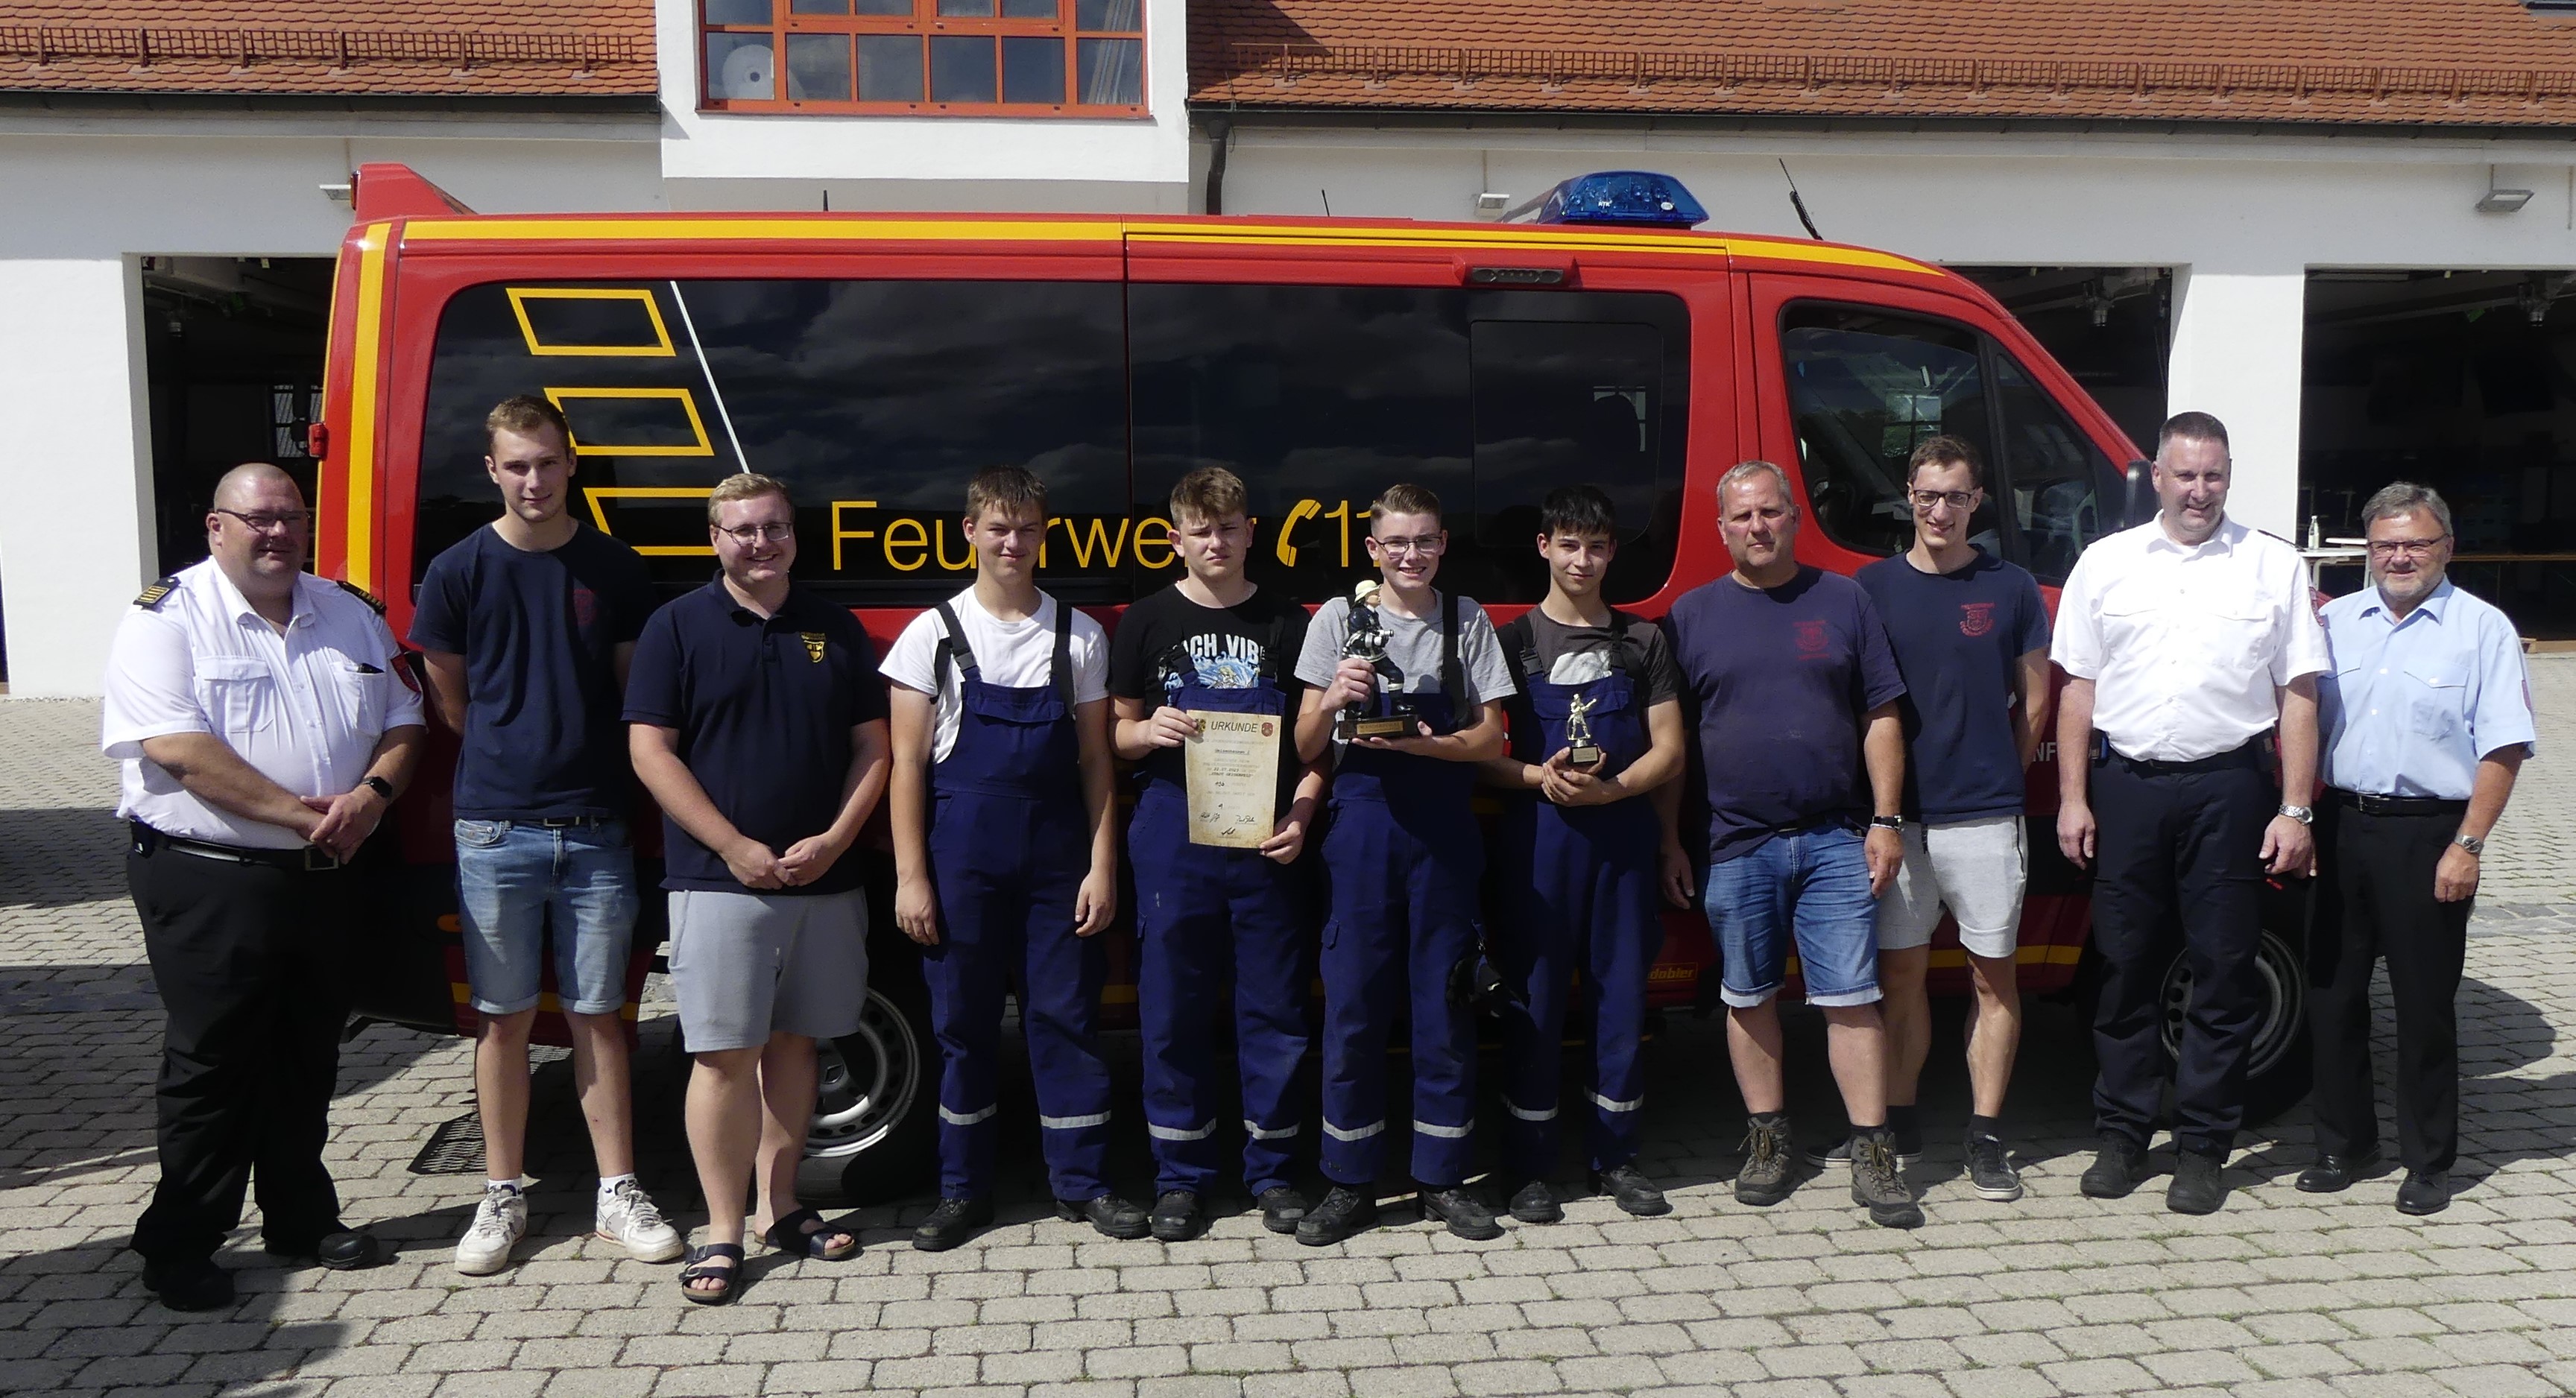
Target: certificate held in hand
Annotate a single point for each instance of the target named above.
(1233, 778)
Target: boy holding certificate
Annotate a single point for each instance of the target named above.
(1424, 680)
(1201, 684)
(1598, 724)
(1006, 863)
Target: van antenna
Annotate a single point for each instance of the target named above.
(1799, 204)
(1328, 201)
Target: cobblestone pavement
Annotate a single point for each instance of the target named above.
(2281, 1294)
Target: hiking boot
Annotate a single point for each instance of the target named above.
(1178, 1216)
(1909, 1151)
(1764, 1179)
(2196, 1188)
(1282, 1208)
(1465, 1214)
(1875, 1184)
(1345, 1211)
(953, 1222)
(2117, 1167)
(1990, 1170)
(1629, 1188)
(627, 1217)
(1534, 1202)
(500, 1221)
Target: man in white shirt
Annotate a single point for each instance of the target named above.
(262, 731)
(2190, 644)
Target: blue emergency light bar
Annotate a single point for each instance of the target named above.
(1622, 198)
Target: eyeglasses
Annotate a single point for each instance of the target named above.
(755, 533)
(1924, 500)
(2412, 548)
(1428, 543)
(265, 522)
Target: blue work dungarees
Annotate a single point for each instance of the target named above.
(1578, 901)
(1402, 856)
(1199, 908)
(1009, 846)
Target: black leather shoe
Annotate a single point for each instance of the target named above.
(2333, 1174)
(953, 1222)
(1635, 1194)
(2117, 1167)
(2196, 1188)
(1345, 1211)
(1465, 1214)
(343, 1250)
(2425, 1192)
(1178, 1216)
(1112, 1216)
(1534, 1202)
(194, 1285)
(1282, 1208)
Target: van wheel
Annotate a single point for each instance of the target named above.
(876, 1105)
(2276, 1059)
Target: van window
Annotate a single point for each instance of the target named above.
(1865, 388)
(2057, 475)
(1321, 397)
(874, 401)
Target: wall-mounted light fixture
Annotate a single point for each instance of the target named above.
(1491, 205)
(2501, 201)
(337, 193)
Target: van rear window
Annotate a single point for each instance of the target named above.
(876, 401)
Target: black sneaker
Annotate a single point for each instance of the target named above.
(196, 1284)
(1112, 1216)
(1990, 1170)
(1345, 1211)
(1178, 1216)
(1876, 1185)
(2118, 1164)
(1282, 1208)
(1465, 1214)
(2196, 1188)
(1635, 1194)
(953, 1222)
(1764, 1178)
(1533, 1202)
(1909, 1151)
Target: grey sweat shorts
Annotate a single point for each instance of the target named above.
(749, 965)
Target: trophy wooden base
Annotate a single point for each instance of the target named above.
(1381, 726)
(1583, 755)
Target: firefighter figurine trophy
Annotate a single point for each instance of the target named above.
(1580, 749)
(1388, 713)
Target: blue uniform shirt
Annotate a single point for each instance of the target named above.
(2410, 706)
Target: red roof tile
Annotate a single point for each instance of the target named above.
(521, 48)
(2447, 62)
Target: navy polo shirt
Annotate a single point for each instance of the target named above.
(764, 709)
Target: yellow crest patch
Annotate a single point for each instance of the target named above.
(813, 645)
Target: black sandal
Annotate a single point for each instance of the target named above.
(699, 1269)
(790, 1235)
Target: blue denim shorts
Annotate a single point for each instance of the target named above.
(508, 876)
(1812, 885)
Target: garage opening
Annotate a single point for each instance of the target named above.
(2109, 327)
(233, 356)
(2466, 382)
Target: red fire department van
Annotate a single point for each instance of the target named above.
(874, 362)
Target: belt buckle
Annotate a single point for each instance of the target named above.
(565, 822)
(318, 859)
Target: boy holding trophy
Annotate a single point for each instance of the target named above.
(1597, 725)
(1200, 677)
(1409, 682)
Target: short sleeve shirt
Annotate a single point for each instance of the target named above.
(1015, 654)
(763, 708)
(1414, 644)
(1777, 681)
(1578, 655)
(1166, 636)
(539, 631)
(2414, 703)
(1959, 638)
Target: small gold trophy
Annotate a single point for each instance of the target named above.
(1580, 749)
(1387, 714)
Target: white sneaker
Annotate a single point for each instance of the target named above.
(499, 1222)
(627, 1218)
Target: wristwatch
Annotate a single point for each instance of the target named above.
(1894, 822)
(2471, 843)
(378, 785)
(2304, 815)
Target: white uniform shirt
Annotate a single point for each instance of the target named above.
(1014, 654)
(305, 707)
(2185, 645)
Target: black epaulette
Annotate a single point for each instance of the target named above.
(362, 595)
(152, 596)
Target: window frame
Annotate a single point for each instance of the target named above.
(927, 24)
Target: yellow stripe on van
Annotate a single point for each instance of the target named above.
(669, 229)
(359, 562)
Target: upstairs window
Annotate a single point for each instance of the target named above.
(972, 57)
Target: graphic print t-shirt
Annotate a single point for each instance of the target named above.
(1226, 648)
(1959, 638)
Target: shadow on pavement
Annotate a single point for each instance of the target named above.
(51, 857)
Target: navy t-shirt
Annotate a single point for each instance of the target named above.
(539, 632)
(764, 709)
(1959, 640)
(1777, 680)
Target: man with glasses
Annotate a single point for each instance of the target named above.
(1970, 633)
(2190, 646)
(528, 626)
(2427, 716)
(262, 732)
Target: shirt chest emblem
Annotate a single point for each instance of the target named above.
(814, 645)
(1811, 638)
(1976, 618)
(585, 607)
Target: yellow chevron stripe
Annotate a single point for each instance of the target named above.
(366, 356)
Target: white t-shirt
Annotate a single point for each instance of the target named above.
(1015, 655)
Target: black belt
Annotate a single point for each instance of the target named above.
(2250, 753)
(2368, 804)
(308, 860)
(578, 822)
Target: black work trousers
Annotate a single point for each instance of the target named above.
(2178, 854)
(247, 962)
(2377, 901)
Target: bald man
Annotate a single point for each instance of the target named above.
(262, 731)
